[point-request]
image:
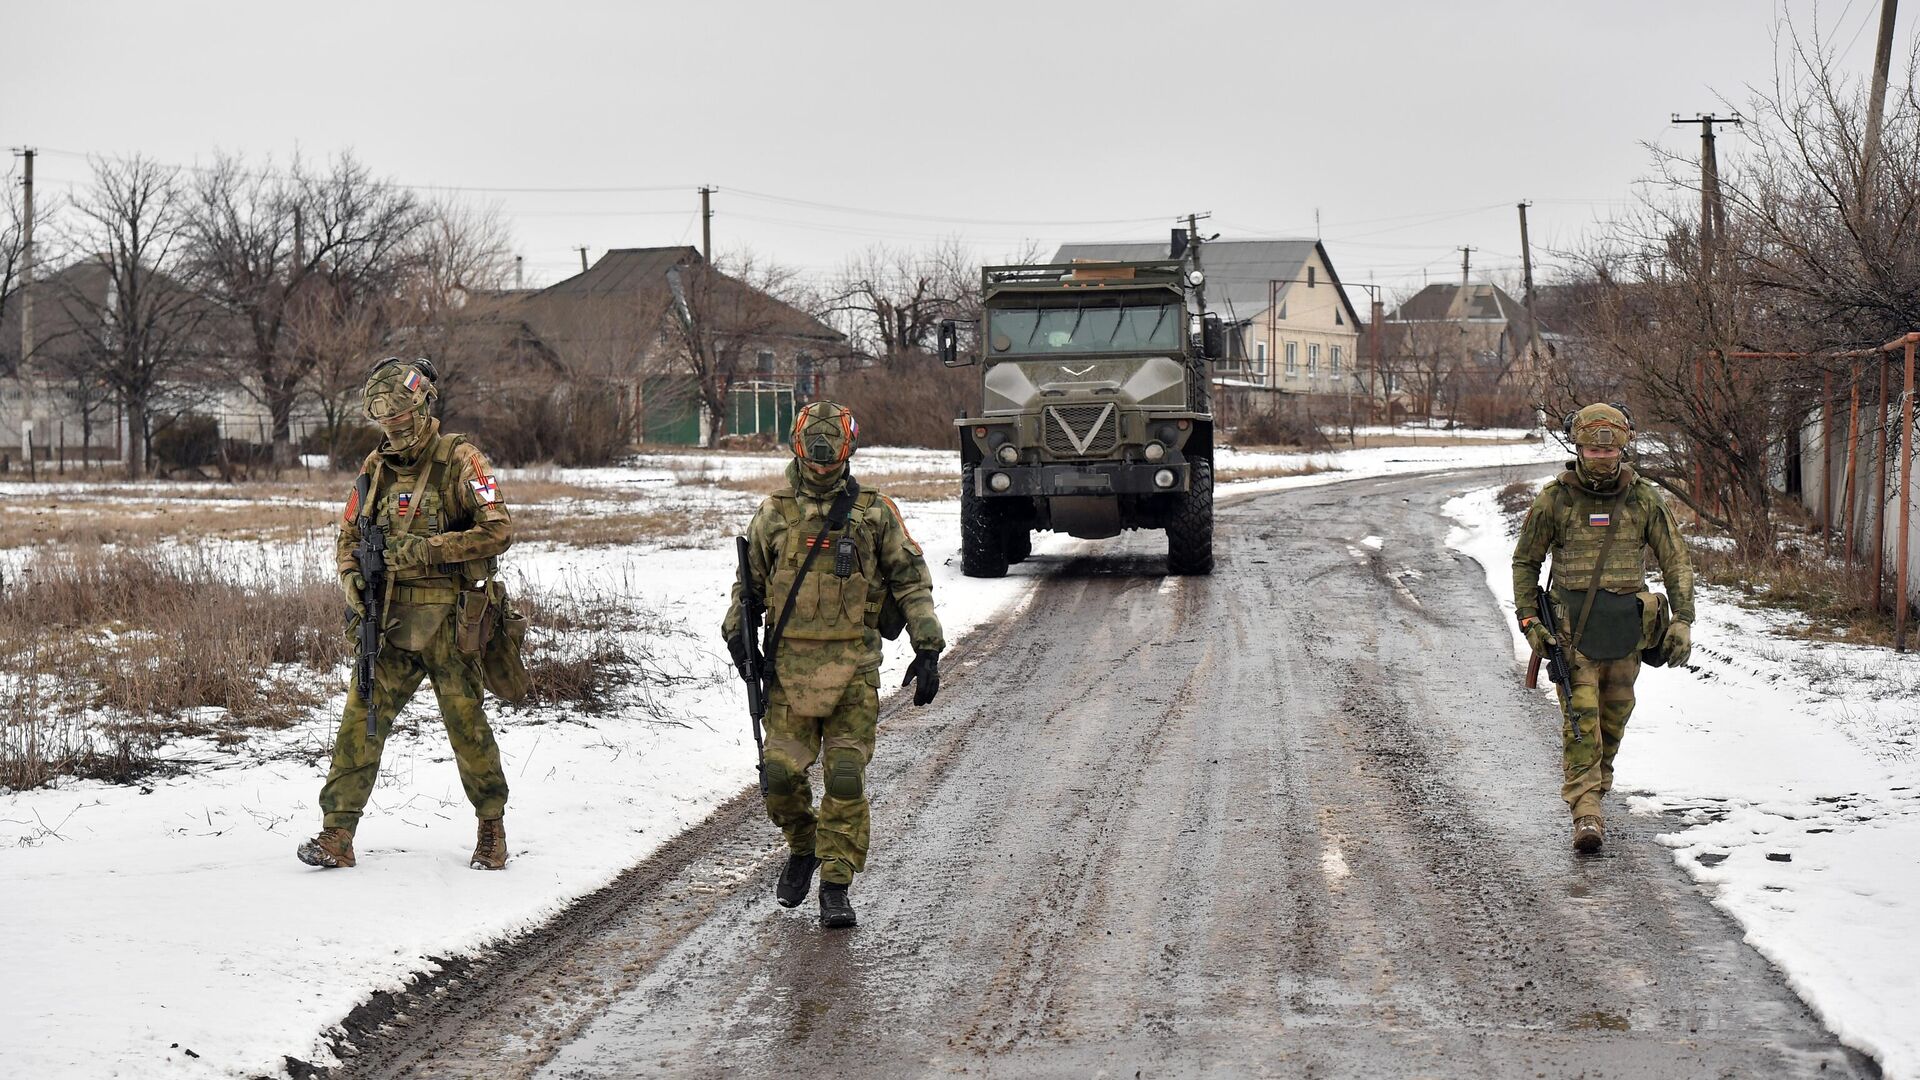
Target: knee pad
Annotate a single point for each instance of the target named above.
(780, 779)
(845, 774)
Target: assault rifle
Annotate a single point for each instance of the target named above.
(753, 666)
(1559, 672)
(371, 552)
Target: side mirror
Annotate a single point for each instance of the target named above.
(1213, 337)
(949, 338)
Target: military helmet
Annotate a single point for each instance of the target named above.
(824, 435)
(1601, 424)
(396, 387)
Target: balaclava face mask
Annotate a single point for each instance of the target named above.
(399, 398)
(824, 437)
(1600, 425)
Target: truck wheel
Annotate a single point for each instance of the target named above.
(1190, 536)
(983, 545)
(1019, 543)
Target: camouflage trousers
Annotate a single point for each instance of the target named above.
(397, 674)
(1602, 699)
(843, 743)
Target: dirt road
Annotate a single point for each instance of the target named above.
(1296, 819)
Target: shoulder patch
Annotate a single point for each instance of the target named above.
(901, 518)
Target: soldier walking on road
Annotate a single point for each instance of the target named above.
(1597, 520)
(834, 566)
(434, 498)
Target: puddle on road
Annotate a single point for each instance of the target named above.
(1599, 1020)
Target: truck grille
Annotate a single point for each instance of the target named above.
(1081, 430)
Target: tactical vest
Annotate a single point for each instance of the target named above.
(439, 511)
(830, 605)
(1581, 522)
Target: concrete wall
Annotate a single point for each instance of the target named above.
(1876, 490)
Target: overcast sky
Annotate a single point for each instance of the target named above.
(1410, 127)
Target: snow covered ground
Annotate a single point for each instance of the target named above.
(1792, 767)
(165, 929)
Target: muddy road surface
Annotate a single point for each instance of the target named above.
(1294, 819)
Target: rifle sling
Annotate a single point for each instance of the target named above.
(836, 518)
(1600, 565)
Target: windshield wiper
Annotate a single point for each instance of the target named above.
(1154, 333)
(1078, 314)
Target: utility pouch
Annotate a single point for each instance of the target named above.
(473, 622)
(501, 668)
(1613, 628)
(1658, 615)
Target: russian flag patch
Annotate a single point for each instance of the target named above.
(404, 504)
(412, 381)
(1603, 518)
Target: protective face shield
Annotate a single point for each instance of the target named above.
(824, 437)
(399, 397)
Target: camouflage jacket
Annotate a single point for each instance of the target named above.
(1570, 522)
(886, 563)
(461, 512)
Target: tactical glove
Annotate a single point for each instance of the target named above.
(353, 585)
(924, 673)
(1677, 646)
(407, 552)
(737, 646)
(1538, 637)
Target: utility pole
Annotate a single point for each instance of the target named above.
(583, 258)
(26, 254)
(1466, 264)
(1713, 216)
(1194, 240)
(519, 272)
(706, 223)
(1876, 105)
(1526, 276)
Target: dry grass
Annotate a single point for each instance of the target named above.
(1268, 472)
(1834, 602)
(916, 486)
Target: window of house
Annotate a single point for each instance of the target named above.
(1311, 276)
(803, 377)
(766, 361)
(1313, 361)
(1293, 357)
(1339, 316)
(1333, 363)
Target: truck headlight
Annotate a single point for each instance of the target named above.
(1008, 454)
(1156, 451)
(999, 481)
(1164, 478)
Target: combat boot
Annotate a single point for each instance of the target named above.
(796, 879)
(332, 848)
(490, 850)
(1588, 833)
(836, 911)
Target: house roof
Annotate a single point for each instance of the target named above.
(1239, 272)
(625, 270)
(1443, 301)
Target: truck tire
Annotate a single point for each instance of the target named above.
(1190, 535)
(1019, 543)
(983, 544)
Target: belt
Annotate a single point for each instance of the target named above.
(425, 594)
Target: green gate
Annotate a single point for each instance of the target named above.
(761, 408)
(670, 410)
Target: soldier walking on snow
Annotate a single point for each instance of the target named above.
(434, 498)
(1598, 520)
(832, 563)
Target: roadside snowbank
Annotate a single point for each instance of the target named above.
(1792, 767)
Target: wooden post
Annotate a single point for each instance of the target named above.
(1880, 498)
(1826, 463)
(1906, 504)
(1853, 439)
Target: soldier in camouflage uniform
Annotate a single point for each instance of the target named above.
(435, 498)
(1571, 520)
(823, 701)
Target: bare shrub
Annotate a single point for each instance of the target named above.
(912, 404)
(1286, 424)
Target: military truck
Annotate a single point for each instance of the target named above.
(1096, 413)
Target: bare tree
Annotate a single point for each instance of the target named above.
(718, 317)
(262, 240)
(890, 301)
(129, 323)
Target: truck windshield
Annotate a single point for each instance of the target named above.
(1055, 330)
